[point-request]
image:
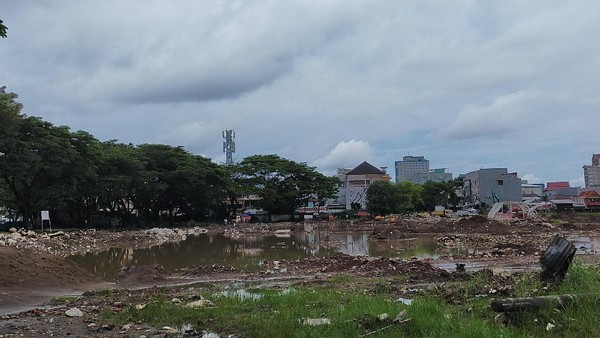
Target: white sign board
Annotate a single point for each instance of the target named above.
(45, 215)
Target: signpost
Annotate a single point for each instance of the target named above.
(46, 217)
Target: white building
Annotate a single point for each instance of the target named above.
(357, 182)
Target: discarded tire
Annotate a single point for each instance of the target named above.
(556, 259)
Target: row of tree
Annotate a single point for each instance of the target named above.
(79, 178)
(388, 198)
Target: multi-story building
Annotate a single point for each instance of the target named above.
(357, 182)
(531, 190)
(412, 168)
(591, 173)
(439, 175)
(416, 170)
(485, 187)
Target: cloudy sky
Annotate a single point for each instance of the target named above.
(467, 84)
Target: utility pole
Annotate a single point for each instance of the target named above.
(228, 145)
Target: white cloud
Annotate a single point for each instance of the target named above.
(505, 115)
(577, 182)
(531, 178)
(345, 155)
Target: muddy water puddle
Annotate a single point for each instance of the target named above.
(248, 253)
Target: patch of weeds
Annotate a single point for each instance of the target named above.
(342, 278)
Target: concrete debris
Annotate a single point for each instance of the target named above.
(74, 312)
(56, 234)
(127, 327)
(169, 330)
(200, 303)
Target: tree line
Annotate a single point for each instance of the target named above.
(80, 179)
(385, 197)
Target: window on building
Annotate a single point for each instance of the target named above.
(500, 182)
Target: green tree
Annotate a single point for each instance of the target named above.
(410, 196)
(282, 184)
(119, 177)
(82, 186)
(3, 30)
(434, 193)
(441, 193)
(35, 167)
(383, 197)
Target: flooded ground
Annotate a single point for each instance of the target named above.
(249, 252)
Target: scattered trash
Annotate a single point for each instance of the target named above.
(140, 306)
(169, 330)
(401, 317)
(405, 301)
(200, 303)
(532, 303)
(550, 326)
(316, 321)
(383, 317)
(556, 259)
(241, 294)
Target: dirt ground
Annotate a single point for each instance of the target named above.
(33, 267)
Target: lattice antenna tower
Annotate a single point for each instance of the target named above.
(228, 145)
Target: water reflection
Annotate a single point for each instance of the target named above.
(246, 253)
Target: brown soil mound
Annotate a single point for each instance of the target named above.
(369, 266)
(26, 269)
(141, 275)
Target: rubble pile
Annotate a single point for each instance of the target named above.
(370, 266)
(494, 246)
(200, 270)
(76, 242)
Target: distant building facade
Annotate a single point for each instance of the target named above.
(357, 182)
(339, 202)
(415, 169)
(484, 187)
(531, 190)
(561, 191)
(591, 173)
(439, 175)
(412, 168)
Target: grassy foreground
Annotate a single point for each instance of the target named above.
(353, 307)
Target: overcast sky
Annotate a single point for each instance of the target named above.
(467, 84)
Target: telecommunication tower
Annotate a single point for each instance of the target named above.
(228, 146)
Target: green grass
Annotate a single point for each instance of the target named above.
(454, 310)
